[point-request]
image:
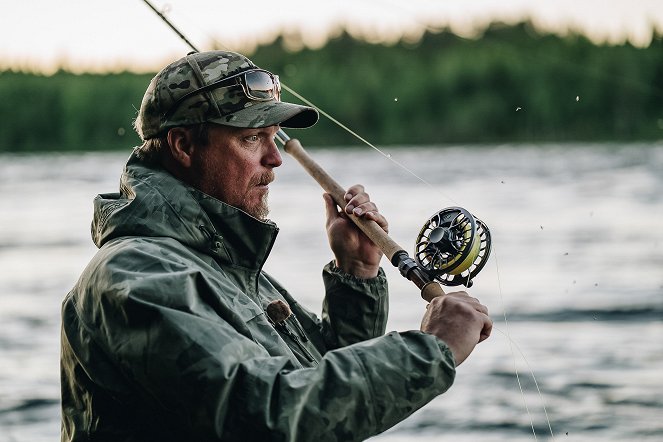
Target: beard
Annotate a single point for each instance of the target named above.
(210, 181)
(256, 208)
(260, 209)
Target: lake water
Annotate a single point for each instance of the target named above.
(577, 271)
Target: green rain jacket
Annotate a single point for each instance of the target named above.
(165, 335)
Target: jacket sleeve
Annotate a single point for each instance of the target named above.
(217, 383)
(354, 309)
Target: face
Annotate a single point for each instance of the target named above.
(237, 167)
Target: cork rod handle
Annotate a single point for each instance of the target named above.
(388, 246)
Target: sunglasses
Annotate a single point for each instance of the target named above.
(257, 84)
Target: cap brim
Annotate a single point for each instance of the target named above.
(271, 113)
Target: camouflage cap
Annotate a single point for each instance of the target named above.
(228, 104)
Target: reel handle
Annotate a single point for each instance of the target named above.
(429, 289)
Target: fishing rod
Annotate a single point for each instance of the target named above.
(451, 248)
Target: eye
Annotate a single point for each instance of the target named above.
(251, 138)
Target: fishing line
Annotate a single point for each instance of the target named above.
(388, 156)
(506, 332)
(536, 384)
(508, 336)
(412, 173)
(513, 356)
(371, 145)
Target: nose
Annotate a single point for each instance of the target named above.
(272, 157)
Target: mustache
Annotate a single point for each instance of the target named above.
(263, 179)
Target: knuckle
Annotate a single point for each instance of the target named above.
(439, 300)
(357, 188)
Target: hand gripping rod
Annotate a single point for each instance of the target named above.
(395, 253)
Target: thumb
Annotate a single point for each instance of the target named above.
(330, 207)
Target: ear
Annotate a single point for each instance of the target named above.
(181, 146)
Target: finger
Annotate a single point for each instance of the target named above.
(480, 308)
(465, 297)
(486, 330)
(352, 191)
(362, 208)
(355, 197)
(359, 204)
(473, 302)
(458, 295)
(330, 207)
(379, 219)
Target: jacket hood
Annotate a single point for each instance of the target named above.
(153, 203)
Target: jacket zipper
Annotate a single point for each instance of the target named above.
(284, 328)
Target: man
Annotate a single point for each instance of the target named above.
(174, 333)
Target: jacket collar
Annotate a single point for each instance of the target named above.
(152, 202)
(237, 237)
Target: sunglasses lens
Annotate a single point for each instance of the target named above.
(262, 86)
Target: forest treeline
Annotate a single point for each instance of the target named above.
(511, 84)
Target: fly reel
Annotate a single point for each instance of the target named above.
(452, 247)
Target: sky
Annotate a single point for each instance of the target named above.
(94, 35)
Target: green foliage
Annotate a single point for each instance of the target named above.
(66, 111)
(512, 84)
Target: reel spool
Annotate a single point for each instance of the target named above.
(452, 247)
